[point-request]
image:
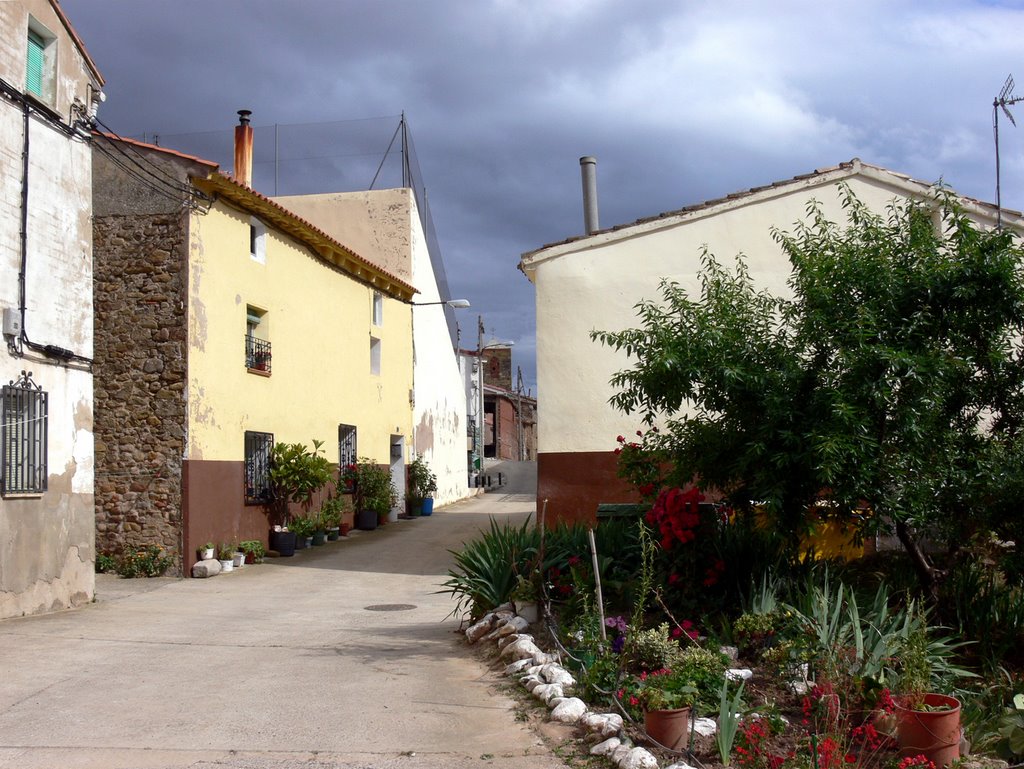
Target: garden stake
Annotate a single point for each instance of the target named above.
(597, 583)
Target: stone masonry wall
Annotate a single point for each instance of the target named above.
(140, 375)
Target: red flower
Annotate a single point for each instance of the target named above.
(638, 432)
(574, 560)
(620, 439)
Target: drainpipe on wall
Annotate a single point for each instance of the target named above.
(243, 148)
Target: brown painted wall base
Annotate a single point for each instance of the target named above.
(214, 508)
(575, 483)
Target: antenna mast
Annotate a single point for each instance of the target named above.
(1001, 102)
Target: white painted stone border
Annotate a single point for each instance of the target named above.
(541, 674)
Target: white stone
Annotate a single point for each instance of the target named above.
(475, 632)
(506, 610)
(506, 640)
(520, 666)
(799, 687)
(604, 724)
(705, 727)
(638, 758)
(204, 569)
(542, 658)
(570, 711)
(731, 652)
(532, 682)
(556, 674)
(534, 669)
(521, 648)
(620, 753)
(680, 765)
(554, 702)
(545, 692)
(514, 625)
(613, 724)
(606, 747)
(739, 674)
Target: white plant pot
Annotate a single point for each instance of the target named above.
(238, 560)
(226, 565)
(207, 554)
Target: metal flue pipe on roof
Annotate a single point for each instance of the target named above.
(588, 170)
(243, 148)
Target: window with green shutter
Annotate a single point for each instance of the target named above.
(34, 68)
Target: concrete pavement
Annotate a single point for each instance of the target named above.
(338, 657)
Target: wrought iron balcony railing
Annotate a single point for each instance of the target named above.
(257, 354)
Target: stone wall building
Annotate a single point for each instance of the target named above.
(225, 324)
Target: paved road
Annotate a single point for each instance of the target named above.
(293, 663)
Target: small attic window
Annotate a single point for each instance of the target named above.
(40, 62)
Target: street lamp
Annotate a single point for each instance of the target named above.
(455, 304)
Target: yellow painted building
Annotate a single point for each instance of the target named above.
(250, 326)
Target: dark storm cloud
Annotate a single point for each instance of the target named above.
(680, 102)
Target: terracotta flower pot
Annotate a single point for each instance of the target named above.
(670, 728)
(932, 733)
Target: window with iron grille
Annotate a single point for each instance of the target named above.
(346, 445)
(24, 421)
(258, 451)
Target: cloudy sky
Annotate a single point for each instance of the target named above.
(679, 101)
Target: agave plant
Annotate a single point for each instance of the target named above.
(486, 570)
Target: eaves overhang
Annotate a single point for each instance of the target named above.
(896, 182)
(320, 243)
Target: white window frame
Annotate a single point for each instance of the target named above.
(375, 355)
(257, 241)
(378, 309)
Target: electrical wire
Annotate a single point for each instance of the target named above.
(140, 160)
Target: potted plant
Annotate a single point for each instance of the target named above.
(238, 558)
(927, 723)
(226, 556)
(303, 528)
(296, 474)
(375, 494)
(422, 485)
(524, 599)
(253, 549)
(206, 552)
(331, 514)
(665, 698)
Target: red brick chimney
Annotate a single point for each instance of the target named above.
(243, 148)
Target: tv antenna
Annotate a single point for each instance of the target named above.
(1001, 102)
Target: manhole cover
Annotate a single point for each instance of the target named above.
(390, 607)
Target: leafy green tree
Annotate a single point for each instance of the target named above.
(891, 378)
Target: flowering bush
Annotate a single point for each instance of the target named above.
(676, 516)
(641, 464)
(148, 561)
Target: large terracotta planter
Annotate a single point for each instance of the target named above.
(932, 733)
(670, 728)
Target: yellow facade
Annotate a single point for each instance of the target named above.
(319, 320)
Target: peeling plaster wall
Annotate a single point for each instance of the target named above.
(46, 540)
(374, 224)
(440, 410)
